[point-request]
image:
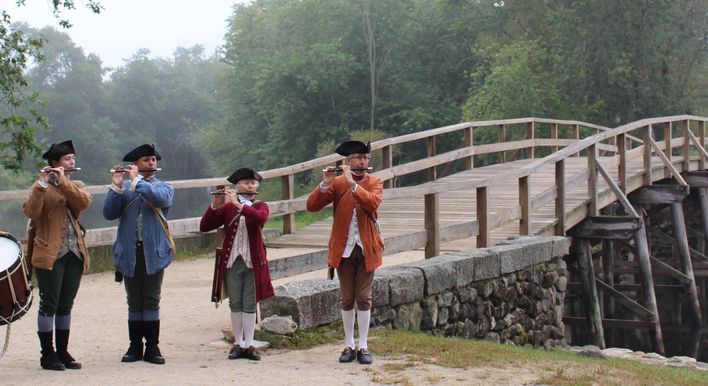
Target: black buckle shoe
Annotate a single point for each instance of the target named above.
(364, 357)
(134, 353)
(347, 356)
(50, 361)
(252, 354)
(69, 361)
(236, 352)
(153, 355)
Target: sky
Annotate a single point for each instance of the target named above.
(124, 26)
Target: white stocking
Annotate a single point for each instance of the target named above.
(363, 319)
(249, 328)
(237, 327)
(348, 320)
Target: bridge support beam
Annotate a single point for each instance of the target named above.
(587, 281)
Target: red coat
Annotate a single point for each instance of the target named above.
(256, 217)
(366, 199)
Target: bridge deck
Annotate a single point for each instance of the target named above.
(405, 216)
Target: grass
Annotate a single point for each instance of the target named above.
(554, 367)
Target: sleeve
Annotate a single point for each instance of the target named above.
(112, 205)
(212, 219)
(319, 198)
(370, 199)
(34, 203)
(159, 194)
(258, 213)
(77, 196)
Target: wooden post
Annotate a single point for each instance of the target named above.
(501, 138)
(469, 142)
(685, 259)
(288, 190)
(667, 140)
(524, 202)
(576, 135)
(646, 138)
(703, 198)
(560, 198)
(592, 180)
(622, 168)
(530, 135)
(587, 281)
(432, 174)
(702, 140)
(432, 225)
(641, 246)
(387, 163)
(687, 146)
(608, 258)
(554, 135)
(483, 217)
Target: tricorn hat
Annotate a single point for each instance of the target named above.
(57, 150)
(244, 174)
(141, 151)
(353, 147)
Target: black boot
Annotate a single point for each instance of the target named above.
(135, 333)
(64, 356)
(152, 338)
(49, 359)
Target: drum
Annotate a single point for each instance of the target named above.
(15, 284)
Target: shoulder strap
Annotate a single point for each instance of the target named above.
(165, 226)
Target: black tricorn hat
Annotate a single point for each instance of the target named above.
(57, 150)
(353, 147)
(244, 174)
(141, 151)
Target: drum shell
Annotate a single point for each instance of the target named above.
(15, 280)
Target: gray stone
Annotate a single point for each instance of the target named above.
(512, 258)
(492, 337)
(429, 307)
(279, 325)
(406, 285)
(439, 274)
(380, 291)
(443, 315)
(408, 317)
(487, 265)
(562, 283)
(561, 246)
(463, 265)
(310, 303)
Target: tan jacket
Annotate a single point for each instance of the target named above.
(47, 208)
(366, 199)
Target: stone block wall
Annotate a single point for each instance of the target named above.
(507, 293)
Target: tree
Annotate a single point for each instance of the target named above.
(19, 117)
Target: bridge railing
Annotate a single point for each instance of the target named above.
(515, 139)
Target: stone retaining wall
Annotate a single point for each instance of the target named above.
(508, 293)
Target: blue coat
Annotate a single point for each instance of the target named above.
(155, 243)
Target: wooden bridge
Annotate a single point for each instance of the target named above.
(477, 183)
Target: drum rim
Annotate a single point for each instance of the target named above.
(14, 266)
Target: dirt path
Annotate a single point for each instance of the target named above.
(191, 343)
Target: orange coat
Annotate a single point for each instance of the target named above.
(366, 200)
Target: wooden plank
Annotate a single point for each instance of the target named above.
(607, 227)
(610, 323)
(469, 142)
(432, 151)
(617, 191)
(671, 271)
(387, 163)
(501, 138)
(593, 209)
(647, 133)
(587, 280)
(626, 301)
(643, 256)
(659, 194)
(679, 228)
(667, 163)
